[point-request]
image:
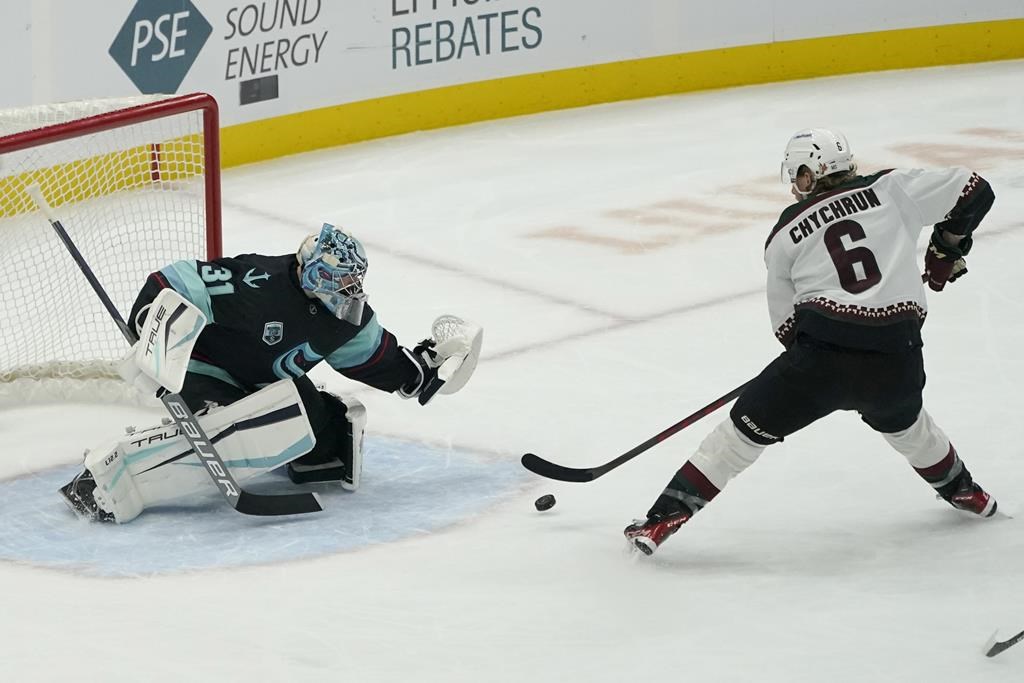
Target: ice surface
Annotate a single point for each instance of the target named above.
(408, 489)
(613, 256)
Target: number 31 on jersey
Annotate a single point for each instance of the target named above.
(218, 279)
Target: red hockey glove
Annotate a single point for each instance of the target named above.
(943, 263)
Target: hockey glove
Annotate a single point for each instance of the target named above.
(944, 262)
(129, 370)
(426, 383)
(446, 361)
(167, 335)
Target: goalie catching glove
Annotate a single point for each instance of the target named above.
(446, 361)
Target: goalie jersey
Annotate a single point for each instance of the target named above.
(843, 265)
(261, 326)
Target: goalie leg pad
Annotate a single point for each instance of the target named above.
(356, 428)
(115, 491)
(258, 433)
(339, 452)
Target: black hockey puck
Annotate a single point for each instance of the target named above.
(545, 502)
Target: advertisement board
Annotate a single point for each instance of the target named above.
(267, 58)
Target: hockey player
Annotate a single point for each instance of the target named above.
(846, 299)
(245, 332)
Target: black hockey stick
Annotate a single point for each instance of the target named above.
(243, 501)
(546, 468)
(998, 646)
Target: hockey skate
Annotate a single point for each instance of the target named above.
(970, 497)
(80, 497)
(647, 535)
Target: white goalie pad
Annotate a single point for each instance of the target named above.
(355, 413)
(458, 342)
(165, 342)
(259, 433)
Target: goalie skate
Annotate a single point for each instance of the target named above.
(79, 494)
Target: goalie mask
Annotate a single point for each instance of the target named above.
(822, 151)
(331, 268)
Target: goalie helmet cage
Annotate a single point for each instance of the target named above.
(136, 183)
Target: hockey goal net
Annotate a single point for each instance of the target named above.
(136, 184)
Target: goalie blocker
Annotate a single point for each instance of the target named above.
(160, 357)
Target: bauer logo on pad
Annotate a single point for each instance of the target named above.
(158, 43)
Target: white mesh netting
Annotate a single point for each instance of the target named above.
(131, 198)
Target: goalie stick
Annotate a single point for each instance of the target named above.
(994, 647)
(546, 468)
(241, 500)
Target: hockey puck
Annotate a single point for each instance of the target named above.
(545, 502)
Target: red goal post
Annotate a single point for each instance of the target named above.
(136, 183)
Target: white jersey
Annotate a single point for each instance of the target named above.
(850, 254)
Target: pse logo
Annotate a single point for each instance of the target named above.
(159, 42)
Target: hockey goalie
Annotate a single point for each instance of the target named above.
(235, 338)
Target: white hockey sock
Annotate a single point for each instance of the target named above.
(923, 444)
(724, 453)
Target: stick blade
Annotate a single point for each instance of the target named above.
(994, 647)
(550, 470)
(990, 649)
(278, 505)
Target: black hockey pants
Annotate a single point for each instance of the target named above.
(812, 379)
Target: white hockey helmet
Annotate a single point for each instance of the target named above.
(332, 268)
(821, 150)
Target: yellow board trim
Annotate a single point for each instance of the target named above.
(98, 176)
(582, 86)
